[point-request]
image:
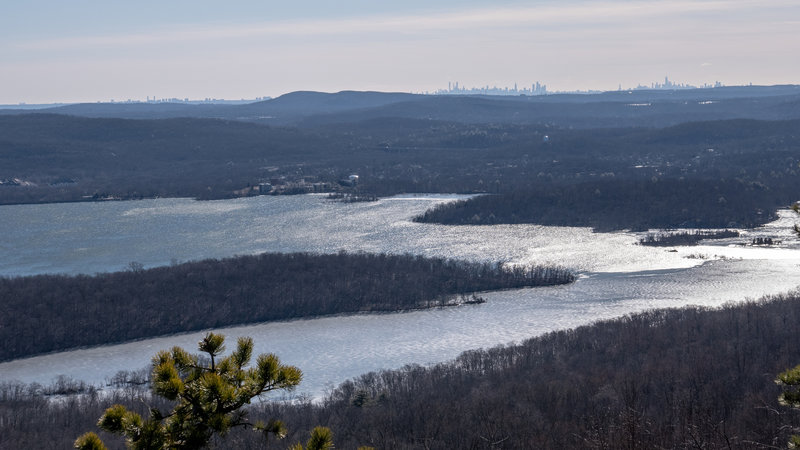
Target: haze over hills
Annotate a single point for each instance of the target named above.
(281, 110)
(626, 162)
(736, 145)
(679, 163)
(650, 108)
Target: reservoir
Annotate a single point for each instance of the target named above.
(616, 276)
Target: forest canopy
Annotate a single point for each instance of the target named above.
(248, 289)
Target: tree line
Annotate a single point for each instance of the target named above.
(685, 237)
(688, 377)
(622, 204)
(46, 313)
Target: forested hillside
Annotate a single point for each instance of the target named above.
(637, 108)
(542, 170)
(678, 378)
(624, 204)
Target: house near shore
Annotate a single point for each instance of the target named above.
(350, 181)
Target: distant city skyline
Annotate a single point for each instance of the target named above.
(89, 50)
(537, 88)
(453, 88)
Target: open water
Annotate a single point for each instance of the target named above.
(617, 276)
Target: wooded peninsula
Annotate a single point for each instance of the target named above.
(45, 313)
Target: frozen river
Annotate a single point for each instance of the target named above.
(617, 276)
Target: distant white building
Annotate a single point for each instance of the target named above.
(350, 181)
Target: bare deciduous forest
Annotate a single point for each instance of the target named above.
(641, 174)
(247, 289)
(675, 378)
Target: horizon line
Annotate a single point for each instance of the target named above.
(467, 91)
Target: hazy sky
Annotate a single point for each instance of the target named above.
(97, 50)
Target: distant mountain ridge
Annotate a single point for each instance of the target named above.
(648, 108)
(307, 101)
(282, 110)
(654, 108)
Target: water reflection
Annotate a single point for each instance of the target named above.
(618, 277)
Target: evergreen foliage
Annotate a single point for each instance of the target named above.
(209, 395)
(790, 396)
(321, 439)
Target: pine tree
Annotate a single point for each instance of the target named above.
(321, 439)
(790, 396)
(209, 395)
